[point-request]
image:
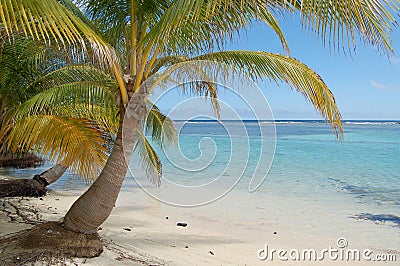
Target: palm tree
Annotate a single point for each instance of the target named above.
(138, 38)
(26, 66)
(75, 104)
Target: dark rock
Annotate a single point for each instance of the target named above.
(212, 253)
(182, 224)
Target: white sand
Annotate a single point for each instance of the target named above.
(216, 234)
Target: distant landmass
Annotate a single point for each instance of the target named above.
(287, 121)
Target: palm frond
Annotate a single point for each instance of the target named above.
(51, 21)
(341, 21)
(20, 62)
(88, 93)
(203, 86)
(106, 119)
(71, 74)
(76, 142)
(166, 61)
(149, 158)
(279, 68)
(162, 131)
(159, 126)
(197, 26)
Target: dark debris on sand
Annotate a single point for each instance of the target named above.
(21, 188)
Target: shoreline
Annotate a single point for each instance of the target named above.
(143, 231)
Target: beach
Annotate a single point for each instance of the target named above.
(143, 231)
(321, 195)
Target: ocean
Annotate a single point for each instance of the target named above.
(314, 182)
(308, 159)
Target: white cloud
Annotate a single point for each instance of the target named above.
(384, 87)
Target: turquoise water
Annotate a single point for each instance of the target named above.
(309, 164)
(361, 172)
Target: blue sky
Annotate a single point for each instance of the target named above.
(366, 84)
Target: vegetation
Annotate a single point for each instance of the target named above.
(66, 112)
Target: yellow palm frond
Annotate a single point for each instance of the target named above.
(106, 119)
(76, 142)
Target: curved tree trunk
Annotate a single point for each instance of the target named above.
(51, 175)
(92, 208)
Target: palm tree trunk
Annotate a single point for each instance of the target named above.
(50, 175)
(92, 208)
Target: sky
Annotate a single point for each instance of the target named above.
(366, 84)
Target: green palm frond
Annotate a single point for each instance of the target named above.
(161, 130)
(20, 62)
(342, 21)
(279, 68)
(148, 158)
(159, 126)
(50, 21)
(88, 93)
(167, 61)
(25, 50)
(203, 87)
(196, 26)
(76, 142)
(268, 17)
(71, 74)
(111, 20)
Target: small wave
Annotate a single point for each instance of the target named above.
(373, 123)
(287, 122)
